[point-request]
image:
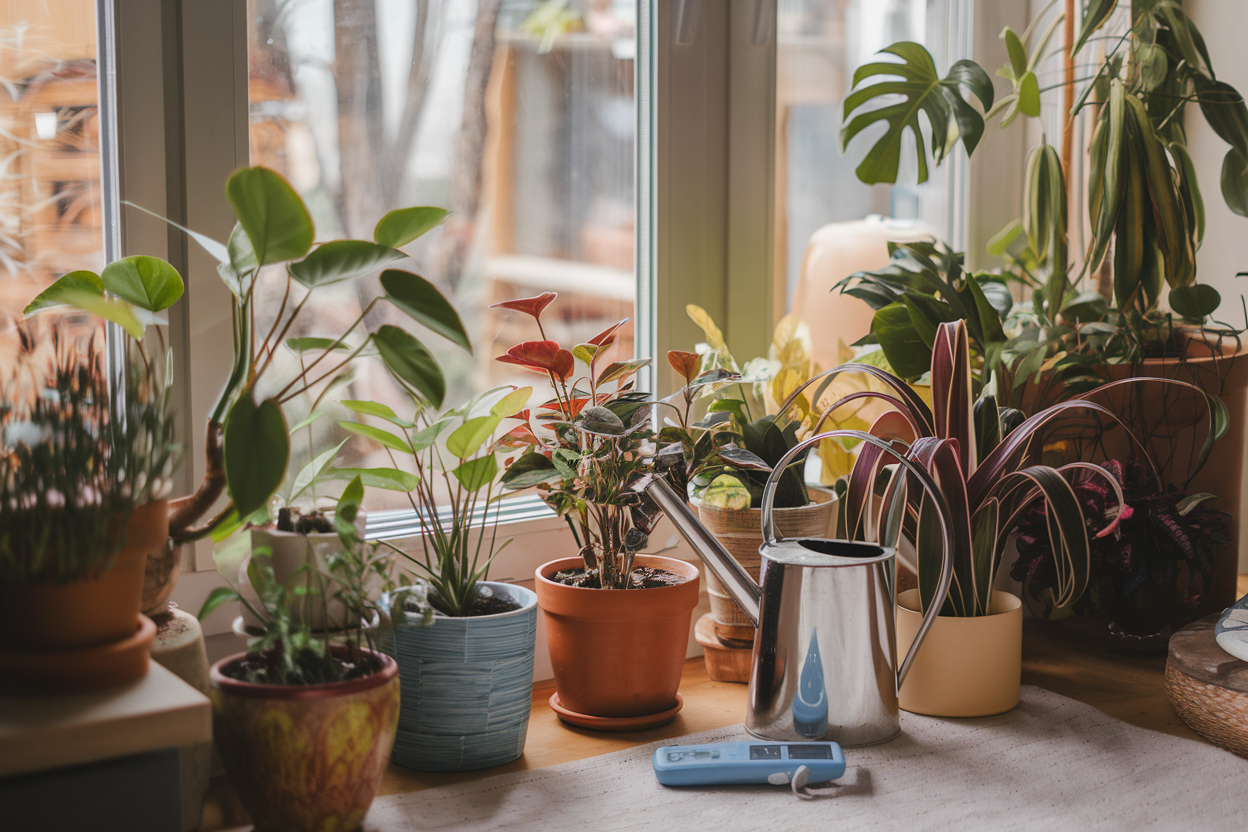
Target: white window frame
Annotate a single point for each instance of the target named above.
(705, 194)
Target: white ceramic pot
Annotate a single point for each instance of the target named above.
(289, 552)
(965, 666)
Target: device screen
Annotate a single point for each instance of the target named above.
(764, 752)
(810, 752)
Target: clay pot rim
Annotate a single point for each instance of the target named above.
(528, 599)
(684, 568)
(254, 690)
(1014, 602)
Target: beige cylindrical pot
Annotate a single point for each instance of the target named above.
(741, 533)
(967, 666)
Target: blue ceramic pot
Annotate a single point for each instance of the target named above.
(467, 685)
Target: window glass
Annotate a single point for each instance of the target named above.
(518, 115)
(50, 214)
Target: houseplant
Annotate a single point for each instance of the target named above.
(1144, 208)
(304, 720)
(617, 622)
(84, 473)
(467, 680)
(247, 445)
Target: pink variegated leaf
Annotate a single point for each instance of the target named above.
(542, 356)
(952, 400)
(941, 457)
(529, 306)
(607, 336)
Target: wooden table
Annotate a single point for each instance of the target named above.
(1068, 657)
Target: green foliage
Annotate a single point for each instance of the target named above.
(257, 449)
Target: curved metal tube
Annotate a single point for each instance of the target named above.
(925, 479)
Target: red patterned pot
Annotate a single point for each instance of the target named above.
(306, 757)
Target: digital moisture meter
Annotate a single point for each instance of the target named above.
(732, 763)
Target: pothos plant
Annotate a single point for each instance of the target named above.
(990, 465)
(1143, 200)
(247, 443)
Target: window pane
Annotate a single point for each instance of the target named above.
(50, 214)
(517, 115)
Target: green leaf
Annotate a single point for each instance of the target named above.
(585, 352)
(425, 438)
(477, 473)
(904, 348)
(385, 437)
(76, 283)
(402, 226)
(381, 411)
(529, 470)
(1029, 95)
(342, 260)
(411, 362)
(147, 282)
(276, 221)
(313, 471)
(984, 531)
(312, 417)
(391, 479)
(257, 449)
(348, 509)
(512, 403)
(1098, 11)
(241, 256)
(422, 300)
(927, 313)
(940, 99)
(309, 344)
(1195, 301)
(620, 370)
(1153, 65)
(471, 435)
(117, 311)
(1000, 243)
(219, 596)
(1235, 181)
(1014, 46)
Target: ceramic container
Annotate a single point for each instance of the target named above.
(467, 686)
(617, 652)
(306, 757)
(289, 551)
(966, 666)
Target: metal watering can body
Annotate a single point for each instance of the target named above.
(825, 664)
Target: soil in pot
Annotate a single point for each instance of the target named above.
(486, 602)
(642, 577)
(263, 669)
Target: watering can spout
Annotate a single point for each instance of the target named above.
(743, 589)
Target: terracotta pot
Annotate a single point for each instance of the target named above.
(97, 610)
(617, 652)
(967, 666)
(164, 566)
(306, 757)
(741, 533)
(81, 670)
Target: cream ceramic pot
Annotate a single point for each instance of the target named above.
(969, 666)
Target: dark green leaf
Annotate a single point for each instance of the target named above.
(1235, 181)
(78, 283)
(275, 219)
(422, 300)
(927, 313)
(905, 350)
(1098, 11)
(402, 226)
(529, 470)
(348, 509)
(1195, 301)
(257, 450)
(411, 362)
(342, 260)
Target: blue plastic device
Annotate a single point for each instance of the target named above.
(758, 761)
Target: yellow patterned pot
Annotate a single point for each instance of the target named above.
(306, 757)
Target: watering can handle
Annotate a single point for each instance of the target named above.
(771, 535)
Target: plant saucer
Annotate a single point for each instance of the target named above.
(615, 723)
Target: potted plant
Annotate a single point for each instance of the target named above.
(617, 622)
(84, 473)
(305, 720)
(1144, 208)
(467, 681)
(990, 464)
(247, 444)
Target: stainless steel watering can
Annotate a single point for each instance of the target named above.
(825, 653)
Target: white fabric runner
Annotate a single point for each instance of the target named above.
(1051, 763)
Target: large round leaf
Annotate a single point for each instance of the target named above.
(110, 309)
(256, 452)
(148, 282)
(411, 362)
(471, 435)
(422, 300)
(79, 283)
(341, 260)
(400, 227)
(275, 219)
(1195, 300)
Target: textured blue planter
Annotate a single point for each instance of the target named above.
(467, 684)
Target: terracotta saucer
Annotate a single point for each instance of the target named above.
(82, 670)
(615, 723)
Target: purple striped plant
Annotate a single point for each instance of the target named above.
(989, 464)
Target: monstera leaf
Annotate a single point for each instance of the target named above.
(915, 88)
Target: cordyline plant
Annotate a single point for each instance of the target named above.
(988, 463)
(247, 444)
(76, 458)
(584, 447)
(455, 456)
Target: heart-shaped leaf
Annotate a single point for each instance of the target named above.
(147, 282)
(542, 356)
(422, 300)
(384, 437)
(512, 403)
(477, 473)
(471, 435)
(1195, 301)
(342, 260)
(257, 450)
(411, 362)
(402, 226)
(76, 284)
(276, 220)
